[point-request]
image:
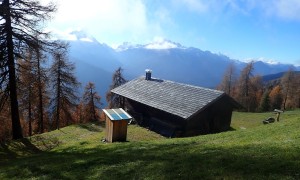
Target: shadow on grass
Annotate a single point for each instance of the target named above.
(94, 127)
(45, 144)
(29, 146)
(159, 161)
(11, 150)
(6, 153)
(25, 147)
(231, 129)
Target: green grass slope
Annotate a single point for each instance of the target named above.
(252, 151)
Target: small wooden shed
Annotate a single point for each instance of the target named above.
(116, 124)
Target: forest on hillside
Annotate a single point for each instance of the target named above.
(36, 97)
(255, 95)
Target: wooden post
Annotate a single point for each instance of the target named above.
(277, 114)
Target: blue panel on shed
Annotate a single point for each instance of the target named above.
(115, 116)
(124, 116)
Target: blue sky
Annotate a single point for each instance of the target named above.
(266, 30)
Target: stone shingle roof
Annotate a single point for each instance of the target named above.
(176, 98)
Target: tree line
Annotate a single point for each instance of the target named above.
(257, 96)
(36, 97)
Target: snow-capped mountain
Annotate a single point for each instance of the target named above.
(158, 44)
(96, 62)
(163, 44)
(127, 45)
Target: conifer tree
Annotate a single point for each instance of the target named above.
(112, 99)
(41, 79)
(26, 87)
(265, 102)
(91, 101)
(64, 85)
(5, 125)
(243, 86)
(288, 82)
(275, 97)
(20, 22)
(228, 80)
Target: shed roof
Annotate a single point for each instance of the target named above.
(182, 100)
(117, 114)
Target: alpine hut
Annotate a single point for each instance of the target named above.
(175, 109)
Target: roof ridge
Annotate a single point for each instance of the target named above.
(190, 85)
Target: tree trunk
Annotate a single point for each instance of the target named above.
(93, 106)
(286, 96)
(58, 94)
(40, 94)
(29, 114)
(16, 125)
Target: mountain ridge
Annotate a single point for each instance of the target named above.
(167, 60)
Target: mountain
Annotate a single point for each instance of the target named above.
(271, 77)
(97, 62)
(94, 61)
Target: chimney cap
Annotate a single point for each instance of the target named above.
(148, 70)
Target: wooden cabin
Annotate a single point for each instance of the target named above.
(116, 121)
(175, 109)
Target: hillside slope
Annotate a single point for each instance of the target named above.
(252, 151)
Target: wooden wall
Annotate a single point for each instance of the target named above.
(213, 119)
(159, 121)
(115, 130)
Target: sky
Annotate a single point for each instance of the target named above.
(245, 30)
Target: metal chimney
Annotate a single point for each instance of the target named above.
(148, 74)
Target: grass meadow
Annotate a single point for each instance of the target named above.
(250, 151)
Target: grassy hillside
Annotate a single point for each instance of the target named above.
(251, 151)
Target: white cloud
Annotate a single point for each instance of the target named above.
(105, 19)
(112, 14)
(86, 39)
(63, 35)
(288, 9)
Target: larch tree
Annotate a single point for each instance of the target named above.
(26, 87)
(243, 86)
(256, 91)
(91, 101)
(275, 97)
(32, 88)
(64, 85)
(20, 25)
(41, 79)
(5, 125)
(79, 113)
(265, 102)
(228, 80)
(112, 99)
(288, 86)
